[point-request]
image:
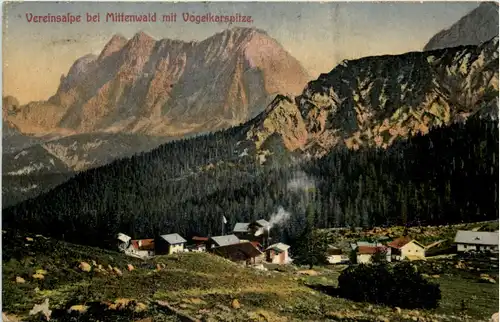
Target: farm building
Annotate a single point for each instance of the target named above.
(241, 229)
(254, 231)
(259, 227)
(467, 241)
(278, 254)
(199, 244)
(217, 241)
(244, 253)
(169, 244)
(123, 241)
(407, 248)
(365, 243)
(142, 248)
(335, 256)
(365, 252)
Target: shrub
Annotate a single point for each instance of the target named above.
(401, 286)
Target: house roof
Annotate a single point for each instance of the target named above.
(365, 243)
(241, 227)
(124, 238)
(262, 222)
(371, 250)
(225, 240)
(237, 252)
(173, 238)
(399, 242)
(476, 237)
(143, 244)
(278, 247)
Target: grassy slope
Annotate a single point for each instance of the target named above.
(201, 285)
(425, 234)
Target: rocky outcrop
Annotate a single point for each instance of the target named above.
(12, 138)
(282, 117)
(479, 26)
(10, 104)
(375, 100)
(167, 87)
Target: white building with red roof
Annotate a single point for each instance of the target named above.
(407, 248)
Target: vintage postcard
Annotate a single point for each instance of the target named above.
(250, 161)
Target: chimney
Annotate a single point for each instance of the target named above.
(268, 230)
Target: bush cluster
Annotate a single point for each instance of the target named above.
(402, 286)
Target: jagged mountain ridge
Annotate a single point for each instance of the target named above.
(372, 101)
(140, 93)
(167, 87)
(478, 26)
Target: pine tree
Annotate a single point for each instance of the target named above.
(311, 246)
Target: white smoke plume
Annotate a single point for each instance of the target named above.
(301, 182)
(304, 187)
(278, 218)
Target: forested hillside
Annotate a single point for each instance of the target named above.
(447, 176)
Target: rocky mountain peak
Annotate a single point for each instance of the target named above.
(10, 106)
(478, 26)
(171, 87)
(115, 44)
(374, 101)
(141, 36)
(10, 103)
(78, 70)
(139, 44)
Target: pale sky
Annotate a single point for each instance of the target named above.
(319, 35)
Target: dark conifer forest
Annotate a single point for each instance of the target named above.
(447, 176)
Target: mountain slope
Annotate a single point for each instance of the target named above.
(35, 159)
(44, 164)
(13, 140)
(29, 172)
(478, 26)
(167, 87)
(198, 286)
(84, 151)
(194, 283)
(373, 101)
(187, 186)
